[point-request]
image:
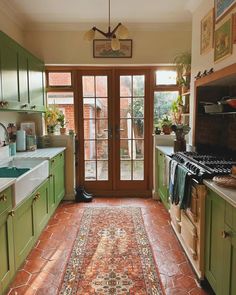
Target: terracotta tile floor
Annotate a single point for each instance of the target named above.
(43, 270)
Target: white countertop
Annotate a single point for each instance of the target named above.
(229, 194)
(167, 150)
(6, 182)
(45, 154)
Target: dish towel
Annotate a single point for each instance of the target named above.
(166, 171)
(181, 187)
(172, 176)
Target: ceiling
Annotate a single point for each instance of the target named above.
(96, 11)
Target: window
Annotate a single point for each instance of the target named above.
(162, 104)
(65, 102)
(57, 79)
(166, 77)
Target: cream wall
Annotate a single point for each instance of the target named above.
(205, 61)
(10, 27)
(68, 47)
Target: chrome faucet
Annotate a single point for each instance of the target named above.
(7, 138)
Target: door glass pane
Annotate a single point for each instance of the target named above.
(125, 149)
(102, 170)
(138, 170)
(138, 152)
(138, 128)
(138, 107)
(88, 86)
(102, 149)
(90, 170)
(125, 107)
(101, 86)
(89, 129)
(126, 128)
(125, 170)
(89, 150)
(125, 86)
(102, 129)
(89, 108)
(138, 85)
(101, 108)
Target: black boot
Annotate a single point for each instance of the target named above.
(84, 191)
(81, 196)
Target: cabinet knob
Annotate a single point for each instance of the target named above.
(23, 106)
(225, 234)
(3, 103)
(60, 155)
(3, 198)
(33, 107)
(50, 175)
(53, 160)
(11, 213)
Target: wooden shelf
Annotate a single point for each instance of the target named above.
(185, 114)
(218, 114)
(186, 93)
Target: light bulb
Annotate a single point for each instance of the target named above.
(122, 32)
(115, 44)
(89, 35)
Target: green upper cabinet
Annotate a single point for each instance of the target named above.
(22, 78)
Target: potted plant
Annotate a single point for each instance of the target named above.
(165, 124)
(183, 68)
(62, 122)
(177, 110)
(51, 118)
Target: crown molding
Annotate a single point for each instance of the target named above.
(86, 26)
(11, 13)
(192, 5)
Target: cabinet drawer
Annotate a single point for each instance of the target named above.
(57, 160)
(189, 235)
(5, 199)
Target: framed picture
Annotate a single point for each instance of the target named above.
(234, 28)
(102, 49)
(222, 7)
(29, 127)
(207, 32)
(223, 40)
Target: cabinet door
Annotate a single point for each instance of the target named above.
(23, 78)
(42, 213)
(214, 254)
(59, 183)
(162, 189)
(24, 230)
(9, 63)
(6, 250)
(52, 195)
(36, 83)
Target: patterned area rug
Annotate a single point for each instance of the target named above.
(111, 255)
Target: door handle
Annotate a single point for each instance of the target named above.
(110, 132)
(118, 130)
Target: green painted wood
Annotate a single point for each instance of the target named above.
(214, 243)
(7, 267)
(23, 77)
(59, 183)
(24, 230)
(5, 199)
(162, 189)
(42, 209)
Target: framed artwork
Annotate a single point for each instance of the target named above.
(222, 7)
(102, 49)
(223, 40)
(207, 32)
(234, 28)
(29, 127)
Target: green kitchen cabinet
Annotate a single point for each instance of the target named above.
(22, 78)
(7, 266)
(214, 248)
(57, 180)
(162, 188)
(41, 207)
(9, 77)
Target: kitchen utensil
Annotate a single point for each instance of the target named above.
(213, 107)
(226, 181)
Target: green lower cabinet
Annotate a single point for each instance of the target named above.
(59, 183)
(7, 267)
(214, 250)
(24, 229)
(41, 207)
(162, 189)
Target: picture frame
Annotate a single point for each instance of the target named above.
(29, 127)
(223, 40)
(207, 32)
(102, 49)
(222, 7)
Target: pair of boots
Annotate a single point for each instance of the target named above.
(82, 195)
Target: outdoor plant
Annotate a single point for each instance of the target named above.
(61, 119)
(177, 110)
(183, 68)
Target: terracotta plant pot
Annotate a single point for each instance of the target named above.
(63, 130)
(166, 129)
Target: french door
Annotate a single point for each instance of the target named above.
(113, 131)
